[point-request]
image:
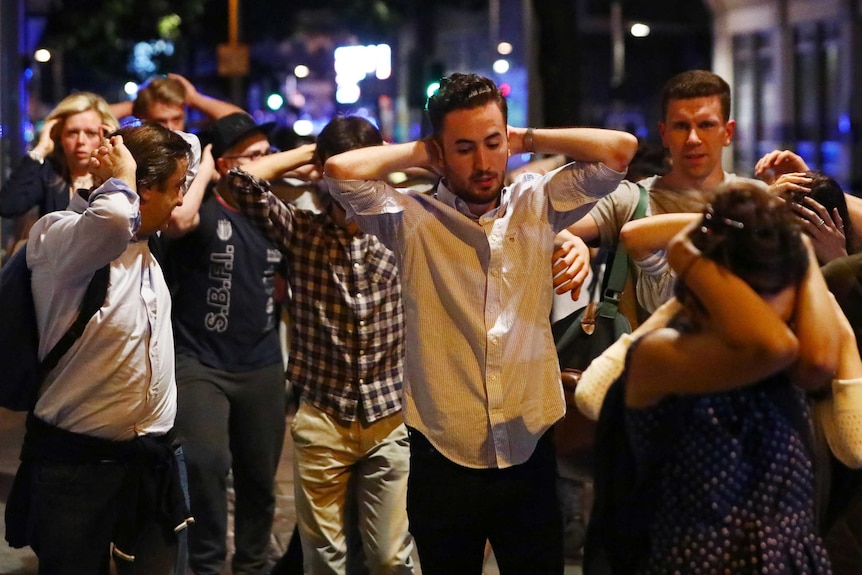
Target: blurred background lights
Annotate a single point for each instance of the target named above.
(640, 30)
(397, 177)
(303, 127)
(354, 63)
(301, 71)
(347, 93)
(501, 66)
(432, 89)
(296, 99)
(130, 88)
(42, 55)
(504, 48)
(274, 101)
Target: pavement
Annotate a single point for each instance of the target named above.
(23, 562)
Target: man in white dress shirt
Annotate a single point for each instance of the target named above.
(100, 471)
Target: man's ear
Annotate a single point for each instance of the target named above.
(436, 150)
(146, 193)
(222, 166)
(729, 127)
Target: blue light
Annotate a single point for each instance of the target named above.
(28, 73)
(844, 124)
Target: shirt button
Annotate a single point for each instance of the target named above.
(493, 237)
(362, 322)
(361, 352)
(355, 264)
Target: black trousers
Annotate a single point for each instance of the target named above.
(453, 510)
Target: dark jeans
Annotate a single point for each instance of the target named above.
(74, 513)
(454, 509)
(230, 422)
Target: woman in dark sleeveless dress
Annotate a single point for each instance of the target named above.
(714, 412)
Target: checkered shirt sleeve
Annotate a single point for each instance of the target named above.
(347, 343)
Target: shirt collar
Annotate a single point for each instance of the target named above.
(450, 199)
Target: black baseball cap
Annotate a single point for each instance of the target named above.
(229, 130)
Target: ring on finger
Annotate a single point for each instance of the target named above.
(821, 222)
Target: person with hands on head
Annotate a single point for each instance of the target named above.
(99, 442)
(823, 212)
(164, 99)
(48, 176)
(713, 410)
(778, 163)
(346, 361)
(231, 396)
(482, 382)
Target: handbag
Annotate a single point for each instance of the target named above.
(582, 336)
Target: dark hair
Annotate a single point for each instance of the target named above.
(460, 92)
(754, 235)
(650, 159)
(828, 193)
(157, 151)
(344, 133)
(696, 84)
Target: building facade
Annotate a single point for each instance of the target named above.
(795, 67)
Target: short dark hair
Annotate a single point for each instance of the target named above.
(754, 235)
(157, 151)
(344, 133)
(696, 84)
(460, 92)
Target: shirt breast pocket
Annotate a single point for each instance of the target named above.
(522, 251)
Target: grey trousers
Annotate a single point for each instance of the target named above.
(230, 422)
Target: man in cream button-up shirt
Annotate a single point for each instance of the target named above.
(482, 382)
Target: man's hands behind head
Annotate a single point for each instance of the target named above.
(112, 159)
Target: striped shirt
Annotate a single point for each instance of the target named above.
(482, 379)
(347, 339)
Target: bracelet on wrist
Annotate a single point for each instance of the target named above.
(529, 147)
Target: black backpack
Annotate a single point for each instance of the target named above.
(21, 372)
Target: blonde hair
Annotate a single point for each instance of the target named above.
(75, 104)
(158, 89)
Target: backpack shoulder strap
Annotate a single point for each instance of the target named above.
(619, 267)
(94, 298)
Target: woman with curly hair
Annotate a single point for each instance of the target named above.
(715, 444)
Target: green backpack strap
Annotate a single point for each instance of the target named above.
(620, 265)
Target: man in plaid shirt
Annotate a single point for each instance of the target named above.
(346, 361)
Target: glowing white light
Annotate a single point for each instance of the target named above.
(303, 127)
(640, 30)
(347, 93)
(432, 89)
(504, 48)
(354, 63)
(130, 88)
(501, 66)
(42, 55)
(383, 57)
(397, 177)
(274, 101)
(301, 71)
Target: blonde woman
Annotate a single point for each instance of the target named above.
(58, 165)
